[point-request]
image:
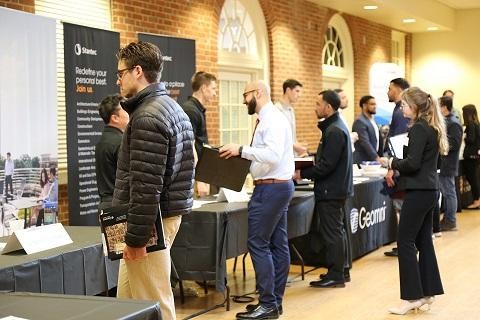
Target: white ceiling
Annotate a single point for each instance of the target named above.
(427, 13)
(461, 4)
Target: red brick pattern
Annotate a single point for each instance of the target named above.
(21, 5)
(295, 34)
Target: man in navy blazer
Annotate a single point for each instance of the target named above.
(369, 144)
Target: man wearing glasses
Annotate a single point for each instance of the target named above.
(271, 153)
(154, 174)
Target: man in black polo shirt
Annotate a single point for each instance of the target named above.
(106, 150)
(204, 89)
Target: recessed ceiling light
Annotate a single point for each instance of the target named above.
(432, 28)
(370, 7)
(409, 20)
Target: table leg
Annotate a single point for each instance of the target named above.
(299, 256)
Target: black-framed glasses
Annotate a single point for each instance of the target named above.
(121, 72)
(245, 94)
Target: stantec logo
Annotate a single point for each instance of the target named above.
(365, 219)
(82, 50)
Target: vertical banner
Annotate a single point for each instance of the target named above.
(28, 115)
(90, 75)
(178, 65)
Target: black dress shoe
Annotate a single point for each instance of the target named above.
(327, 283)
(251, 307)
(258, 313)
(346, 276)
(392, 253)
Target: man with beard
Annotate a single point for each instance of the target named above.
(369, 144)
(333, 178)
(271, 153)
(399, 123)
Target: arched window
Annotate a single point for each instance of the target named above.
(337, 58)
(242, 57)
(237, 34)
(333, 49)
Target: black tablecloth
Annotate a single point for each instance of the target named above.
(77, 268)
(61, 307)
(371, 224)
(218, 231)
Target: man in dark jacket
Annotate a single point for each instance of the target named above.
(106, 150)
(398, 125)
(154, 174)
(369, 144)
(449, 165)
(333, 179)
(204, 87)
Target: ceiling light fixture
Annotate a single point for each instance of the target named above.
(409, 20)
(370, 7)
(432, 28)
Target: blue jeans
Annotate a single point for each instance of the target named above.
(447, 188)
(268, 240)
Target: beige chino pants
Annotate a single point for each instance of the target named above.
(149, 278)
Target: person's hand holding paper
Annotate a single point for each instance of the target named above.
(229, 150)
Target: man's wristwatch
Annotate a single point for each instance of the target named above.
(240, 151)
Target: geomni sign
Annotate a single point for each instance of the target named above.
(365, 219)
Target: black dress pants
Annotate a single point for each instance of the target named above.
(418, 277)
(331, 213)
(470, 171)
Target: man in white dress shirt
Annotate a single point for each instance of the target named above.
(271, 153)
(292, 90)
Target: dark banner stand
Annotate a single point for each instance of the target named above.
(178, 65)
(90, 75)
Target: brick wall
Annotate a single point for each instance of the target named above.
(371, 44)
(295, 34)
(191, 19)
(22, 5)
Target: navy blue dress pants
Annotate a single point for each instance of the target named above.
(268, 240)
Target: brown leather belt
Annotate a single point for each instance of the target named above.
(269, 181)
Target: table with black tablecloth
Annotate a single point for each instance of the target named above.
(78, 268)
(60, 307)
(210, 235)
(371, 223)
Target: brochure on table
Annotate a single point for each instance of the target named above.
(37, 239)
(232, 196)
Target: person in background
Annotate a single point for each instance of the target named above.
(154, 174)
(456, 112)
(106, 150)
(449, 165)
(419, 278)
(271, 153)
(333, 184)
(9, 169)
(398, 125)
(471, 152)
(49, 196)
(45, 188)
(292, 90)
(204, 87)
(369, 144)
(343, 106)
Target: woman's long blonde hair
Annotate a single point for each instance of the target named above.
(425, 107)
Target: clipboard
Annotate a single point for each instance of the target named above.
(228, 173)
